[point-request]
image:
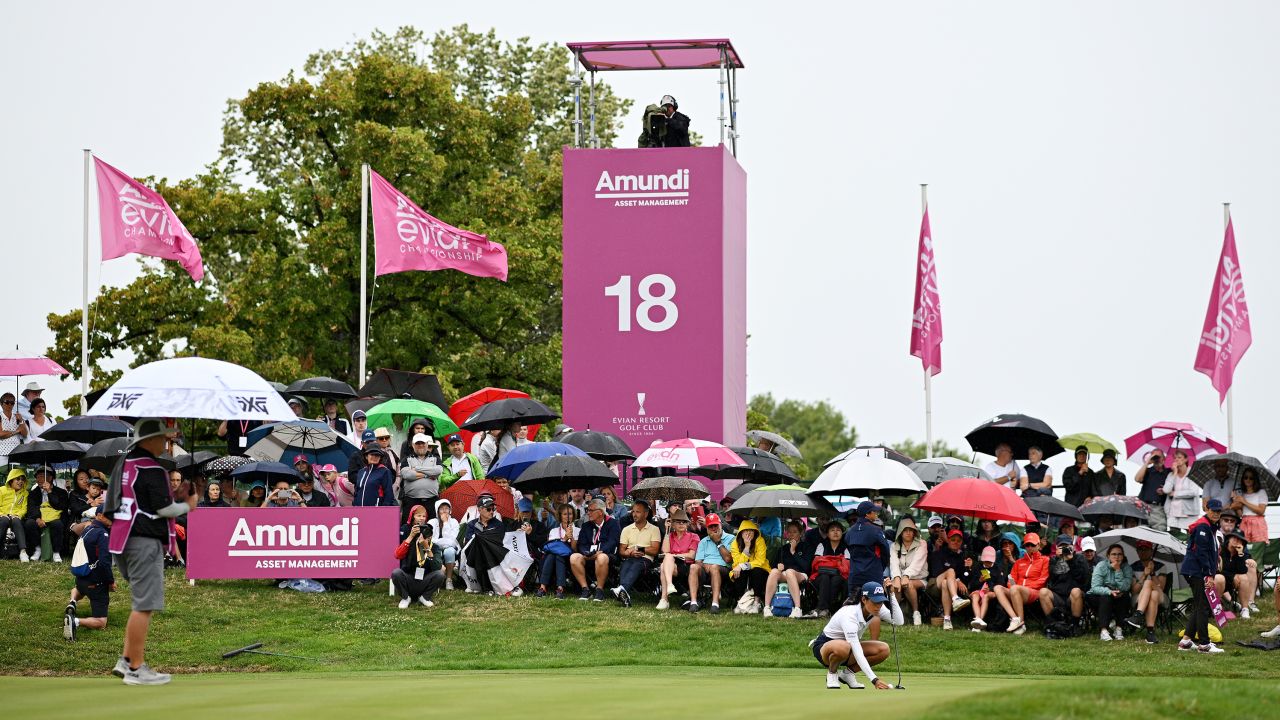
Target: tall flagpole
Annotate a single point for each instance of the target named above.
(364, 261)
(84, 296)
(928, 374)
(1226, 221)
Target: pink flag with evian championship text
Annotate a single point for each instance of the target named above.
(136, 219)
(1226, 334)
(926, 322)
(407, 238)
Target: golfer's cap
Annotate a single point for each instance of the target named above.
(295, 401)
(33, 386)
(988, 554)
(955, 533)
(713, 519)
(1065, 540)
(1031, 539)
(1088, 544)
(381, 433)
(151, 427)
(874, 592)
(1146, 545)
(525, 505)
(1214, 505)
(452, 438)
(867, 507)
(422, 438)
(328, 467)
(935, 521)
(300, 458)
(359, 415)
(367, 436)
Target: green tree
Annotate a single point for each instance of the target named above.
(467, 125)
(818, 429)
(917, 451)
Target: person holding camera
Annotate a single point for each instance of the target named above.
(664, 125)
(1150, 479)
(282, 496)
(420, 575)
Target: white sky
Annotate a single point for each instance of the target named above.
(1077, 156)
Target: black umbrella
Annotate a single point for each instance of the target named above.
(87, 429)
(224, 465)
(104, 454)
(668, 487)
(321, 387)
(1203, 471)
(46, 452)
(599, 445)
(1122, 505)
(1043, 504)
(267, 472)
(737, 493)
(1019, 431)
(499, 413)
(564, 472)
(786, 501)
(387, 383)
(762, 467)
(191, 463)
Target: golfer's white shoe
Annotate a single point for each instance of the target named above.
(833, 681)
(122, 667)
(1209, 649)
(1272, 633)
(144, 675)
(404, 604)
(846, 676)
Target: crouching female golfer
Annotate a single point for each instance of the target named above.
(840, 643)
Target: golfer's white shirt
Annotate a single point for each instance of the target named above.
(849, 624)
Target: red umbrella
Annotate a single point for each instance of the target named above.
(462, 495)
(974, 497)
(462, 409)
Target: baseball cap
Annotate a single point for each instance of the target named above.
(97, 481)
(874, 592)
(452, 438)
(524, 505)
(1031, 539)
(1214, 504)
(668, 100)
(935, 520)
(328, 467)
(381, 433)
(866, 506)
(1146, 544)
(367, 436)
(44, 469)
(421, 438)
(1088, 544)
(1065, 539)
(1230, 513)
(955, 533)
(988, 554)
(300, 458)
(359, 415)
(485, 500)
(295, 401)
(713, 519)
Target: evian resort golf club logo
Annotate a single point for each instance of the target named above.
(642, 423)
(644, 190)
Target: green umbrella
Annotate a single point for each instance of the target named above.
(1094, 443)
(398, 413)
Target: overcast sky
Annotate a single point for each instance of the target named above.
(1077, 157)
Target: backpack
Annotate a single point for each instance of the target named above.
(783, 603)
(80, 565)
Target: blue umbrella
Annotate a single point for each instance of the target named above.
(524, 456)
(265, 472)
(283, 441)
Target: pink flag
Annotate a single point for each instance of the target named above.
(926, 323)
(406, 238)
(1226, 334)
(135, 219)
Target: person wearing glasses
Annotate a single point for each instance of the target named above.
(12, 428)
(1109, 593)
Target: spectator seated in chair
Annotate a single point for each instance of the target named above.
(1029, 575)
(555, 560)
(1150, 580)
(750, 570)
(945, 566)
(829, 569)
(638, 547)
(1069, 577)
(679, 547)
(444, 531)
(712, 558)
(1109, 593)
(46, 505)
(598, 540)
(790, 568)
(990, 576)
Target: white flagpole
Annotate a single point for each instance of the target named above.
(84, 310)
(1226, 220)
(364, 261)
(928, 376)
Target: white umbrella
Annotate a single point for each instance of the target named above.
(782, 446)
(866, 476)
(872, 451)
(940, 469)
(192, 387)
(1274, 463)
(1168, 549)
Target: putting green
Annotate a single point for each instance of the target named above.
(603, 692)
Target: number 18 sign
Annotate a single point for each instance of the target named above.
(655, 293)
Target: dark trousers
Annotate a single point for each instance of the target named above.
(831, 591)
(15, 523)
(631, 571)
(1197, 629)
(57, 534)
(755, 578)
(409, 587)
(1111, 608)
(554, 566)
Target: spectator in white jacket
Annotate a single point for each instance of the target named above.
(446, 539)
(1182, 494)
(908, 565)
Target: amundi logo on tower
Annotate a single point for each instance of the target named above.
(644, 190)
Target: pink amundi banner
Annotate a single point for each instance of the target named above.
(655, 294)
(136, 219)
(926, 321)
(1226, 334)
(284, 543)
(405, 237)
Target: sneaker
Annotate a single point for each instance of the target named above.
(517, 592)
(448, 584)
(833, 681)
(796, 613)
(1209, 649)
(1015, 624)
(715, 608)
(1245, 614)
(1272, 633)
(425, 602)
(623, 596)
(977, 624)
(1186, 644)
(1021, 629)
(1118, 634)
(1151, 637)
(541, 593)
(404, 604)
(846, 676)
(663, 604)
(559, 593)
(35, 556)
(144, 675)
(959, 603)
(1104, 636)
(975, 629)
(1135, 621)
(57, 558)
(915, 618)
(24, 557)
(946, 623)
(585, 595)
(1253, 607)
(599, 596)
(692, 607)
(121, 667)
(69, 623)
(472, 590)
(823, 613)
(671, 589)
(766, 612)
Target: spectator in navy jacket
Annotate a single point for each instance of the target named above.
(97, 585)
(868, 549)
(375, 485)
(598, 545)
(792, 568)
(1199, 567)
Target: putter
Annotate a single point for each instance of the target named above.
(254, 650)
(896, 658)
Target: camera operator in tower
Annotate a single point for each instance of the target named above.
(665, 125)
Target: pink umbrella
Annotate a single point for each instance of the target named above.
(1168, 436)
(686, 454)
(16, 363)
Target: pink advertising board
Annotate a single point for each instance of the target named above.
(345, 542)
(655, 333)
